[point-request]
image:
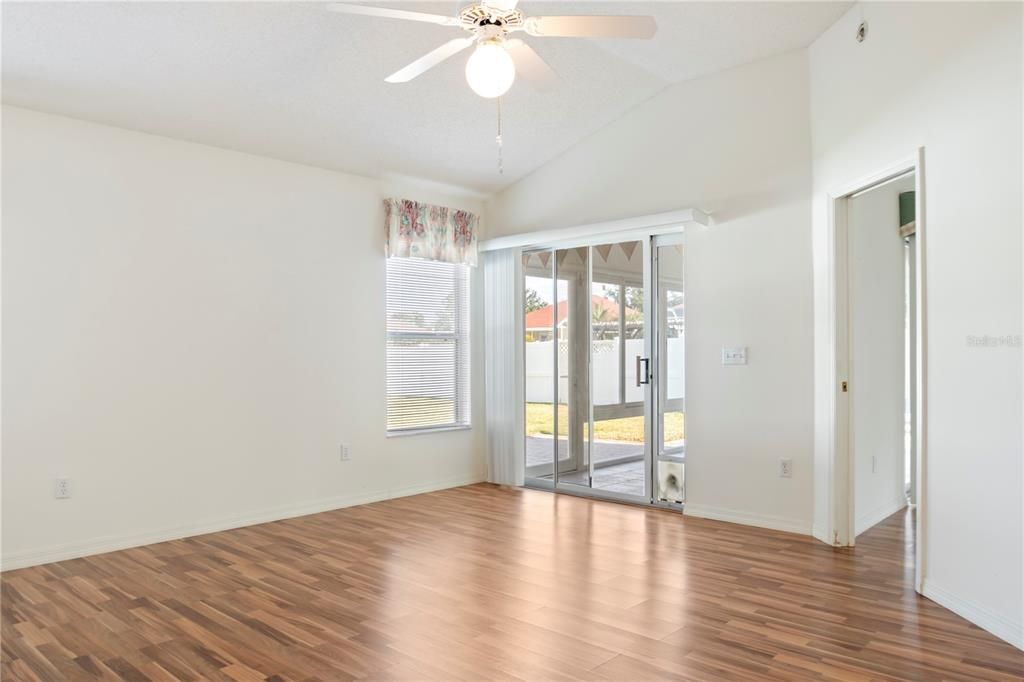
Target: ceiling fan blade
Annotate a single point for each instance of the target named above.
(592, 26)
(530, 66)
(505, 5)
(388, 13)
(430, 60)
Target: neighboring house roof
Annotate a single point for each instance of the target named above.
(541, 317)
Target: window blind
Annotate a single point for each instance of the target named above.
(427, 344)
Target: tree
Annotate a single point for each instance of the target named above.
(634, 298)
(532, 301)
(634, 309)
(602, 322)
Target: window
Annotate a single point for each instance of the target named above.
(427, 345)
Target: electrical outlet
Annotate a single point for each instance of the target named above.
(786, 468)
(344, 453)
(874, 464)
(62, 488)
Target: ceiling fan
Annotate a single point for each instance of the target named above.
(491, 69)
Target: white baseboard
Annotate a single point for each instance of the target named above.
(1000, 626)
(877, 515)
(821, 533)
(748, 519)
(112, 543)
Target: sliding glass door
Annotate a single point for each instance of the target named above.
(670, 384)
(603, 337)
(545, 335)
(619, 363)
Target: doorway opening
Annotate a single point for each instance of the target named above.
(872, 407)
(880, 234)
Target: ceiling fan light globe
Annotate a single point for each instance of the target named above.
(490, 70)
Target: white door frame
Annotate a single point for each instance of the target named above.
(841, 472)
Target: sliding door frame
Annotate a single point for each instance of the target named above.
(536, 478)
(658, 403)
(648, 237)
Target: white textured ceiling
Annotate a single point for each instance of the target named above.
(292, 81)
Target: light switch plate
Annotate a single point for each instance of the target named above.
(734, 355)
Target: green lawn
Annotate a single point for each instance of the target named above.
(434, 410)
(539, 421)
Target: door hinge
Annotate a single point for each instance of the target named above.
(845, 388)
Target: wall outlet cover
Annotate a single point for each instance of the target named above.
(62, 488)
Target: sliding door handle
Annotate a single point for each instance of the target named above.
(643, 370)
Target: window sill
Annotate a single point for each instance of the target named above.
(426, 430)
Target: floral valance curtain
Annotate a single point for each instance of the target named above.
(415, 230)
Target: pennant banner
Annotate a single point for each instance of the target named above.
(629, 248)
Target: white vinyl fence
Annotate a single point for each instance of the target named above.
(605, 357)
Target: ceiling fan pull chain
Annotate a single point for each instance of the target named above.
(501, 165)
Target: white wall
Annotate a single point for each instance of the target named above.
(189, 334)
(735, 144)
(877, 303)
(947, 76)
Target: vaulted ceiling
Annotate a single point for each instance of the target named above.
(295, 82)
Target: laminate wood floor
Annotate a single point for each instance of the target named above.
(480, 583)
